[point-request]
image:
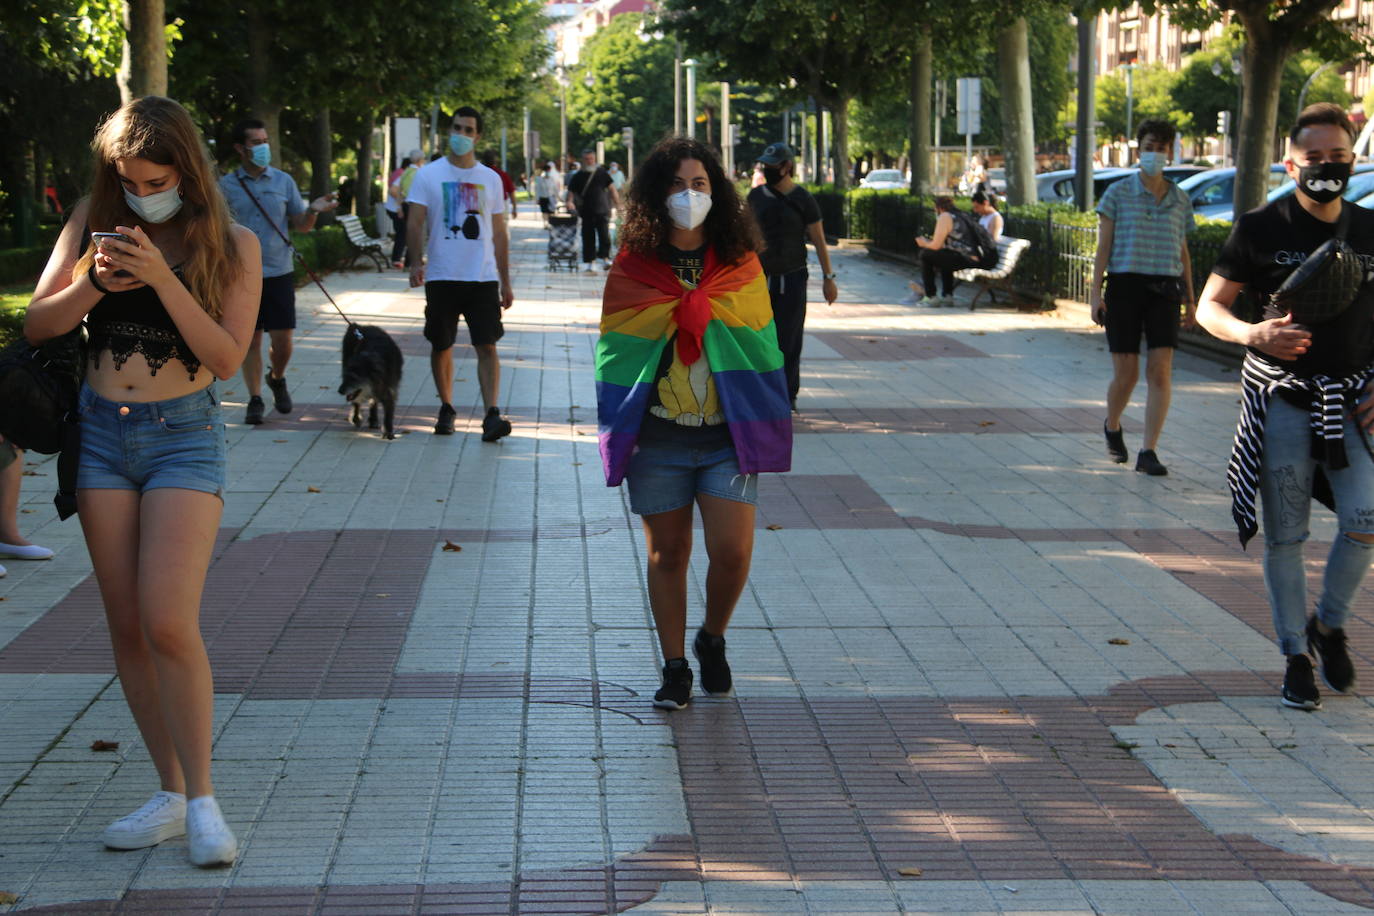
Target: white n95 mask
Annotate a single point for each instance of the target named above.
(688, 208)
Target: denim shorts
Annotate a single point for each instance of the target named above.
(151, 444)
(662, 478)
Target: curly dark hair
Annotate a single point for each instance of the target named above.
(729, 227)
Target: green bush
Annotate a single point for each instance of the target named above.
(23, 265)
(323, 250)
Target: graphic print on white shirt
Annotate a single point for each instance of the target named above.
(464, 208)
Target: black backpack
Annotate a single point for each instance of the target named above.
(978, 241)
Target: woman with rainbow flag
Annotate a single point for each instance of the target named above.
(691, 397)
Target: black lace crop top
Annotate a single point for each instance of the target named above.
(135, 321)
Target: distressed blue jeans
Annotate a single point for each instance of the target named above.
(1285, 488)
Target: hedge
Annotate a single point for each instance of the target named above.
(22, 265)
(324, 250)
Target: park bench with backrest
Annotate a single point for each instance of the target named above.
(361, 243)
(991, 279)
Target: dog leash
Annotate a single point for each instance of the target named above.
(352, 325)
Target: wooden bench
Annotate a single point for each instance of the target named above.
(363, 244)
(989, 280)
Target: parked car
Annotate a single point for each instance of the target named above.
(885, 180)
(1180, 173)
(1361, 185)
(1057, 186)
(997, 181)
(1212, 191)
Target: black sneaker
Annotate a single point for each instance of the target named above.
(1299, 688)
(494, 426)
(281, 398)
(1146, 462)
(1337, 671)
(444, 425)
(676, 691)
(1116, 444)
(715, 670)
(256, 408)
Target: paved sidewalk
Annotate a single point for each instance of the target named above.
(979, 667)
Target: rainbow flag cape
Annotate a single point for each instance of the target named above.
(729, 317)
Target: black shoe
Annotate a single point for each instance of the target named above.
(444, 425)
(1116, 444)
(1147, 463)
(1299, 688)
(1337, 671)
(494, 426)
(715, 670)
(281, 398)
(256, 408)
(676, 691)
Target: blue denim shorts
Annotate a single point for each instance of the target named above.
(147, 445)
(662, 478)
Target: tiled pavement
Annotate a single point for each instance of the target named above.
(980, 668)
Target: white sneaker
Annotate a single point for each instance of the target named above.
(605, 264)
(25, 552)
(591, 271)
(210, 840)
(946, 302)
(161, 818)
(928, 302)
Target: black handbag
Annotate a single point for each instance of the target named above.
(38, 391)
(1326, 282)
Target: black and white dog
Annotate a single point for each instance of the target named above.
(371, 372)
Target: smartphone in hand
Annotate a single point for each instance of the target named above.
(117, 236)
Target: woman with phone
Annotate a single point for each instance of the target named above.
(169, 303)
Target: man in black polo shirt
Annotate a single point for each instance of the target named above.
(1307, 408)
(788, 216)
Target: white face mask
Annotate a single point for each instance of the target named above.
(688, 208)
(157, 207)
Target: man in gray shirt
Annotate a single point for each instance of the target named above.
(267, 201)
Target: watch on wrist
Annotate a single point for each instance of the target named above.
(829, 276)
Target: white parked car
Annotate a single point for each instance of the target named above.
(885, 180)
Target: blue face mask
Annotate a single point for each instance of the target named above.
(262, 154)
(1152, 163)
(461, 144)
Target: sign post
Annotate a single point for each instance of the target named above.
(969, 112)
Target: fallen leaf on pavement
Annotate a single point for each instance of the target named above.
(312, 489)
(7, 898)
(384, 594)
(1118, 641)
(449, 545)
(909, 872)
(99, 745)
(280, 440)
(987, 422)
(775, 527)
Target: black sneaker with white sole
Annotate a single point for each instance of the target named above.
(1330, 652)
(715, 670)
(1299, 687)
(676, 691)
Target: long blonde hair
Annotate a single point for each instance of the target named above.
(160, 130)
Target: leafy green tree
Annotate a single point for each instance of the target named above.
(833, 50)
(1152, 96)
(632, 75)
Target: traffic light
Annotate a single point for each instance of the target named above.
(1223, 122)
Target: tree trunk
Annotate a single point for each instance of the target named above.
(262, 102)
(1086, 138)
(1261, 77)
(363, 194)
(839, 116)
(922, 59)
(143, 69)
(1018, 127)
(321, 157)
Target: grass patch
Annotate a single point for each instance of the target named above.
(14, 299)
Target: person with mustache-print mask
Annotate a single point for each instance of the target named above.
(1308, 395)
(1142, 251)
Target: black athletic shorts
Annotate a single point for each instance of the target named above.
(1141, 304)
(277, 309)
(478, 303)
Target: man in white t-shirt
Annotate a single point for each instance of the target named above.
(457, 218)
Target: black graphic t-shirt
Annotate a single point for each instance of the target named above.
(1268, 244)
(589, 187)
(783, 220)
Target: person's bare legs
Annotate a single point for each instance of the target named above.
(1125, 373)
(441, 367)
(110, 522)
(488, 375)
(1159, 367)
(668, 543)
(252, 366)
(176, 539)
(279, 352)
(729, 532)
(11, 479)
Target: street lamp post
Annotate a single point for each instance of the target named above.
(690, 66)
(1302, 96)
(1130, 102)
(561, 73)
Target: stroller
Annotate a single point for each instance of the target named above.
(563, 241)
